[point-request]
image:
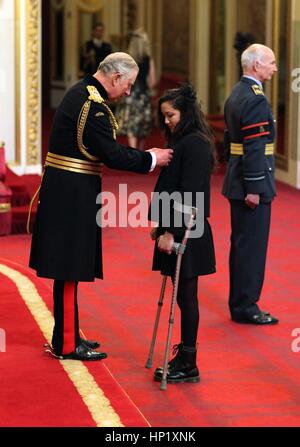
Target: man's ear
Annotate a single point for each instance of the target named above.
(115, 78)
(257, 65)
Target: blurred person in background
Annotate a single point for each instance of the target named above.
(94, 50)
(134, 113)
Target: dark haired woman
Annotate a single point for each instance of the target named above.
(187, 133)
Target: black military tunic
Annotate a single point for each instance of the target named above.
(66, 241)
(249, 141)
(188, 172)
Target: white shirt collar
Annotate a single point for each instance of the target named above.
(97, 42)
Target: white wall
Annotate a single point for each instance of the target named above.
(7, 77)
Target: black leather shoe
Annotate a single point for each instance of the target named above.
(262, 318)
(175, 351)
(92, 344)
(180, 376)
(82, 352)
(184, 368)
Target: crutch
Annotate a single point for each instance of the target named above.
(179, 250)
(159, 306)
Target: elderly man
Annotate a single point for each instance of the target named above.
(66, 242)
(249, 183)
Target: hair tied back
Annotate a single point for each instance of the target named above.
(188, 92)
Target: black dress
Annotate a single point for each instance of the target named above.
(188, 172)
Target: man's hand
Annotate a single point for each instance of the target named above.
(163, 156)
(165, 243)
(252, 200)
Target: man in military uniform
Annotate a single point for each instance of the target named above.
(249, 183)
(95, 50)
(66, 242)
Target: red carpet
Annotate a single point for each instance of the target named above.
(27, 371)
(250, 375)
(34, 390)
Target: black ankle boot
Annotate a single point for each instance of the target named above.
(184, 368)
(175, 351)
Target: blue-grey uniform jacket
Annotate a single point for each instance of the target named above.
(249, 142)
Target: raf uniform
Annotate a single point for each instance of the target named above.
(249, 143)
(66, 241)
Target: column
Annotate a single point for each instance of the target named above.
(26, 156)
(231, 67)
(7, 78)
(292, 174)
(295, 103)
(199, 48)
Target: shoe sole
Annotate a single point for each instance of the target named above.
(255, 324)
(50, 350)
(187, 380)
(81, 360)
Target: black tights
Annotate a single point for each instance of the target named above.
(187, 300)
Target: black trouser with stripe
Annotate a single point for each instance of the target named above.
(249, 242)
(66, 325)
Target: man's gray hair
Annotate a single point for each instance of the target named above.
(118, 62)
(252, 54)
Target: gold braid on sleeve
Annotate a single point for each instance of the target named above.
(95, 96)
(112, 120)
(80, 129)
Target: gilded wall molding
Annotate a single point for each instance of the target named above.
(33, 80)
(89, 5)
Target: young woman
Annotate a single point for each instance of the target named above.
(186, 131)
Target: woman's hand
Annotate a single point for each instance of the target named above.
(165, 243)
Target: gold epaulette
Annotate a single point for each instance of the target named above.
(96, 97)
(94, 94)
(257, 90)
